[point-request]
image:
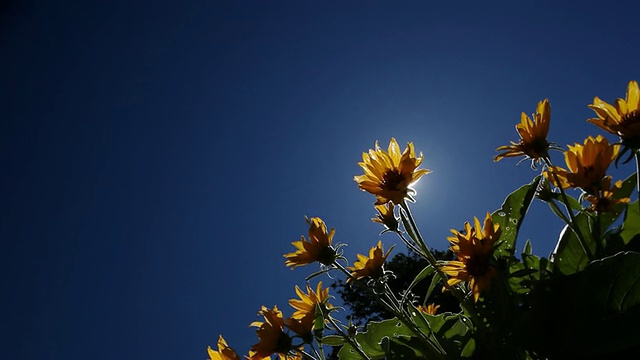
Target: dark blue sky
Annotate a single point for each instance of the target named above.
(158, 158)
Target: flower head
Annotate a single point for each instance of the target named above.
(318, 248)
(473, 248)
(623, 119)
(307, 303)
(389, 174)
(606, 199)
(371, 266)
(431, 309)
(386, 216)
(224, 351)
(587, 165)
(273, 339)
(533, 142)
(302, 320)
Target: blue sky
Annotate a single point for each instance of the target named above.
(159, 158)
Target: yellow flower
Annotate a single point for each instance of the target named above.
(308, 302)
(587, 165)
(473, 250)
(623, 119)
(318, 248)
(386, 216)
(302, 320)
(604, 201)
(389, 174)
(431, 309)
(224, 351)
(273, 339)
(371, 266)
(533, 142)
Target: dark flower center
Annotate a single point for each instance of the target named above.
(327, 255)
(537, 148)
(283, 345)
(477, 265)
(631, 135)
(631, 118)
(391, 180)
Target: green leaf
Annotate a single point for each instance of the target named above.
(527, 248)
(333, 340)
(631, 224)
(569, 256)
(594, 311)
(370, 340)
(434, 281)
(512, 213)
(453, 331)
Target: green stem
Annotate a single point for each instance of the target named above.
(305, 355)
(559, 212)
(638, 173)
(596, 234)
(574, 224)
(409, 244)
(433, 261)
(351, 342)
(421, 243)
(392, 305)
(319, 354)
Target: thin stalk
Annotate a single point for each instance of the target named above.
(432, 260)
(421, 243)
(353, 344)
(409, 244)
(638, 173)
(319, 354)
(305, 355)
(574, 226)
(392, 305)
(596, 233)
(559, 212)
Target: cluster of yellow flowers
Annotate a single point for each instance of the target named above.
(389, 175)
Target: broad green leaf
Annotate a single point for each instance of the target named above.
(370, 340)
(512, 213)
(594, 311)
(569, 255)
(453, 331)
(631, 223)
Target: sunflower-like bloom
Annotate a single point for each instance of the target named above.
(389, 174)
(302, 320)
(587, 165)
(533, 142)
(431, 309)
(473, 250)
(224, 351)
(371, 266)
(273, 339)
(318, 248)
(386, 216)
(623, 119)
(605, 199)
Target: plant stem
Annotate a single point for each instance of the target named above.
(392, 305)
(351, 342)
(573, 225)
(432, 260)
(410, 245)
(638, 173)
